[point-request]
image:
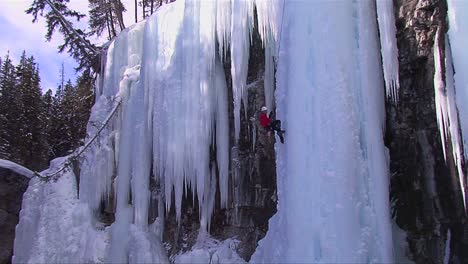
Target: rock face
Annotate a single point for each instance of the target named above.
(12, 187)
(424, 187)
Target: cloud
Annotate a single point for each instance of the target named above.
(19, 34)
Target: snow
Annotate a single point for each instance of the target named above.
(209, 250)
(388, 43)
(333, 170)
(16, 168)
(54, 226)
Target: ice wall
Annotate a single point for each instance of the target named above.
(166, 77)
(332, 172)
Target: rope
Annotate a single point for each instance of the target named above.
(75, 156)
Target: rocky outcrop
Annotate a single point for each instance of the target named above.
(12, 187)
(424, 186)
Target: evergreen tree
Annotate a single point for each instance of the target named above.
(58, 128)
(106, 15)
(46, 119)
(8, 107)
(29, 138)
(84, 100)
(70, 110)
(68, 113)
(36, 128)
(149, 6)
(76, 43)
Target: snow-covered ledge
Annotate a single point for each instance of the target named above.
(17, 168)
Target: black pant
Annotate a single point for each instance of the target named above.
(275, 125)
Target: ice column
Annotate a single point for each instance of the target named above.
(458, 35)
(241, 23)
(447, 114)
(332, 171)
(388, 43)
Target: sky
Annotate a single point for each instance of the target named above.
(18, 34)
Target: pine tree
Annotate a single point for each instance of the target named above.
(68, 110)
(36, 128)
(8, 106)
(29, 137)
(58, 128)
(149, 6)
(58, 17)
(106, 14)
(46, 119)
(84, 100)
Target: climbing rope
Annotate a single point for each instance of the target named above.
(73, 157)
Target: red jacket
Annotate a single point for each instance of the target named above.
(264, 120)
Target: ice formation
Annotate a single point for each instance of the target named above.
(16, 168)
(55, 226)
(458, 36)
(388, 43)
(171, 133)
(172, 127)
(446, 107)
(332, 172)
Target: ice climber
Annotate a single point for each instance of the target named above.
(269, 124)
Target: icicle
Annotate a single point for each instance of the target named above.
(446, 107)
(269, 77)
(440, 96)
(240, 44)
(268, 20)
(447, 247)
(173, 115)
(387, 28)
(458, 30)
(222, 132)
(223, 26)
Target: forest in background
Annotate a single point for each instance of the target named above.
(36, 127)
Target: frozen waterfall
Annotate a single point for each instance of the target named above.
(171, 133)
(333, 172)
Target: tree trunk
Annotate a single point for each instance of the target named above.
(111, 21)
(118, 13)
(136, 11)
